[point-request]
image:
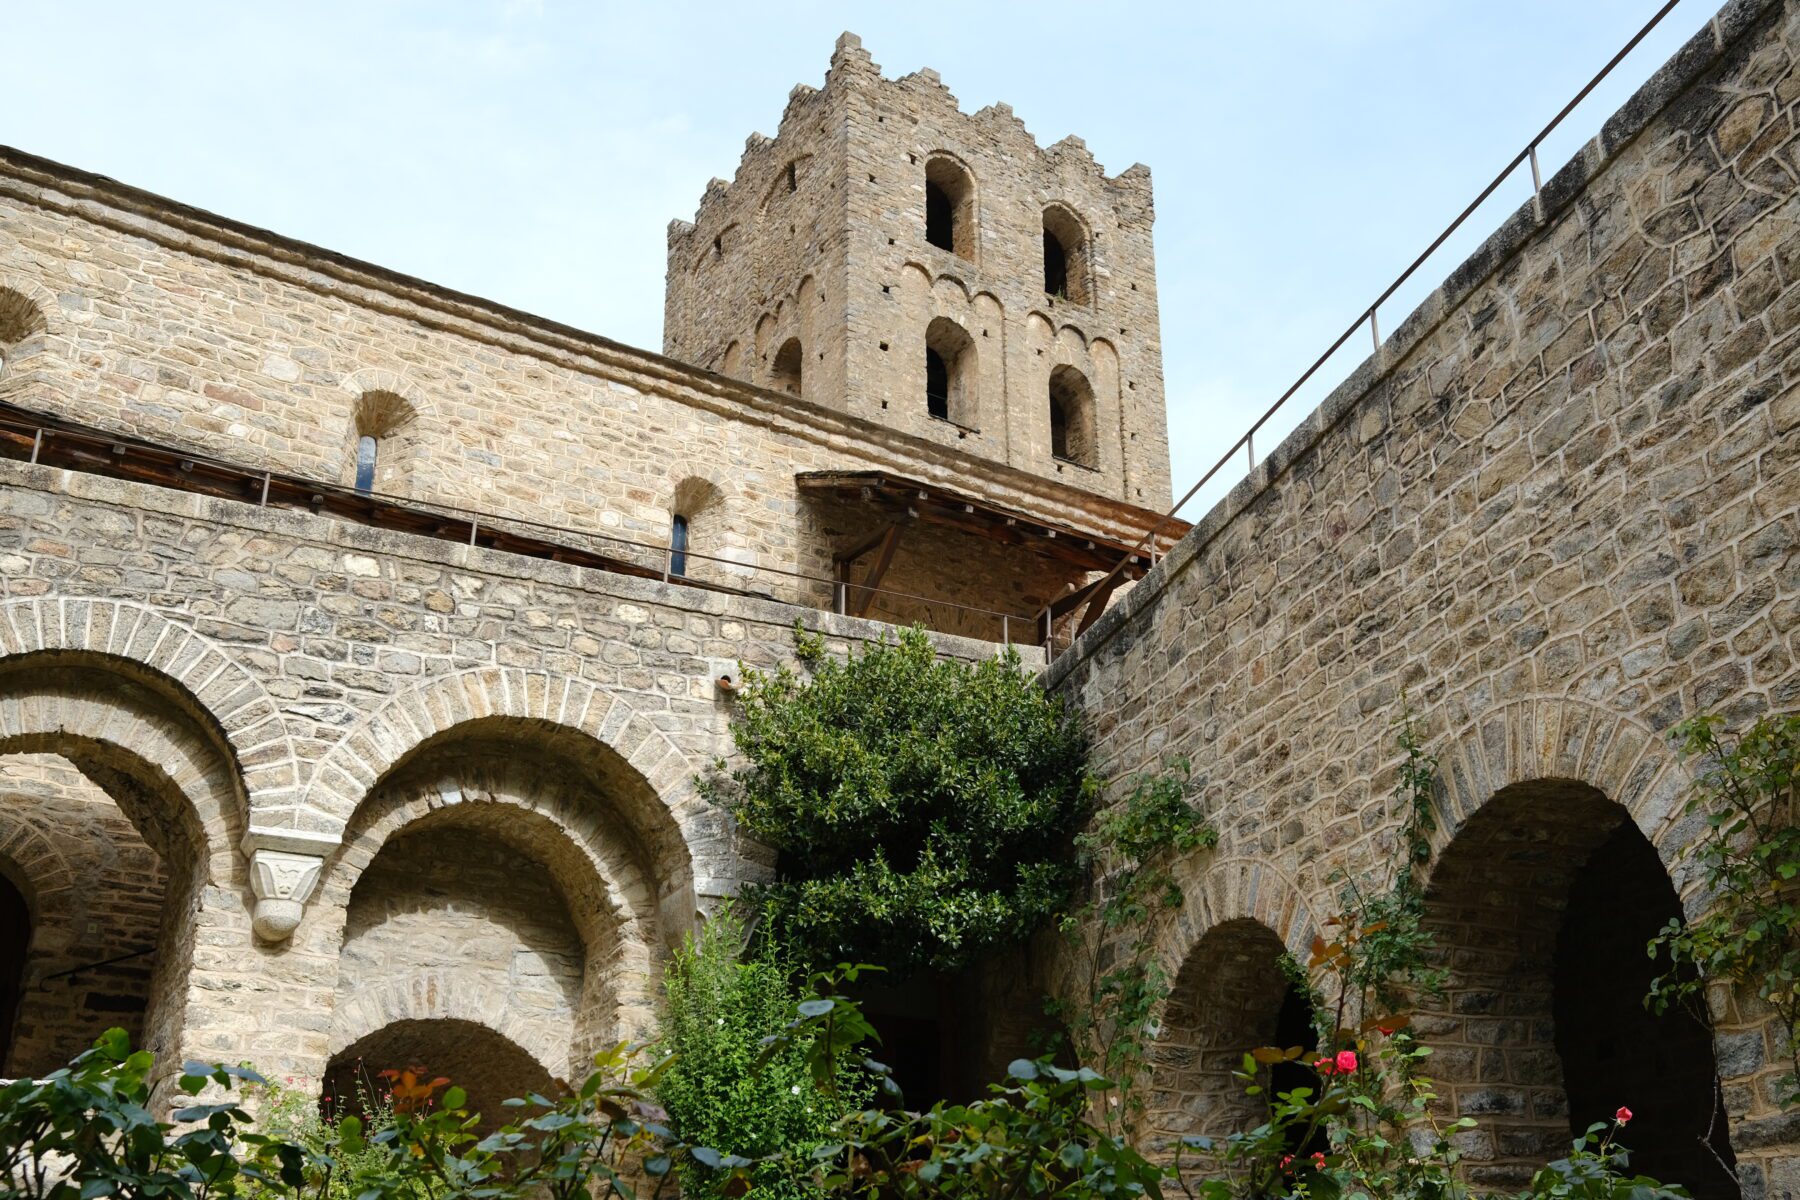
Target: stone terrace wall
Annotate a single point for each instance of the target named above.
(1555, 515)
(324, 657)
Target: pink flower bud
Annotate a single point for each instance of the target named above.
(1623, 1115)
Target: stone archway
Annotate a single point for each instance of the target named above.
(487, 1064)
(120, 757)
(1549, 804)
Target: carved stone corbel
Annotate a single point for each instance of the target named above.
(284, 869)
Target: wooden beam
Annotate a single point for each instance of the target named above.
(1097, 603)
(884, 560)
(863, 547)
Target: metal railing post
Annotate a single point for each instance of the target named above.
(37, 444)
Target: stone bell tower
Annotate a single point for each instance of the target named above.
(935, 271)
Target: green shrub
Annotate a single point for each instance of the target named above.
(720, 1009)
(923, 809)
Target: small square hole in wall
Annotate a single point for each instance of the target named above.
(884, 289)
(872, 180)
(1133, 286)
(884, 404)
(912, 158)
(884, 347)
(984, 333)
(881, 120)
(1123, 331)
(890, 241)
(1040, 354)
(1132, 385)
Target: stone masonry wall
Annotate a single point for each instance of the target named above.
(95, 892)
(329, 687)
(125, 311)
(1555, 515)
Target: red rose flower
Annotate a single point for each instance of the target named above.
(1346, 1061)
(1623, 1115)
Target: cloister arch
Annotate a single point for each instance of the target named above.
(651, 780)
(1551, 874)
(130, 741)
(1222, 951)
(487, 1064)
(489, 790)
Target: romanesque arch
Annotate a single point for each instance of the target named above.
(1229, 995)
(520, 860)
(216, 691)
(490, 1066)
(658, 795)
(1550, 880)
(102, 750)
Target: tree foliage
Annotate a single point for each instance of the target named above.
(922, 808)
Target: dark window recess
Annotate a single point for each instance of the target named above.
(15, 938)
(1059, 430)
(365, 464)
(793, 179)
(940, 218)
(678, 545)
(937, 385)
(1056, 266)
(1294, 1027)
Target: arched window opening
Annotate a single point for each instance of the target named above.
(1056, 267)
(22, 327)
(1545, 898)
(1072, 425)
(678, 544)
(793, 177)
(950, 372)
(696, 533)
(1065, 256)
(949, 207)
(15, 940)
(785, 374)
(385, 430)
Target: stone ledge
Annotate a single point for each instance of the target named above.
(17, 477)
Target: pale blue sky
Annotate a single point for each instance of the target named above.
(533, 152)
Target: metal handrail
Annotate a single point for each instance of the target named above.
(1248, 441)
(45, 430)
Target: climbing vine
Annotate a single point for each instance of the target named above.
(1128, 852)
(1749, 856)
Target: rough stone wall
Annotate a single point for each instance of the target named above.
(125, 311)
(456, 910)
(843, 264)
(354, 684)
(1555, 514)
(95, 892)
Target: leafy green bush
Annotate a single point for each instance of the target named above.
(720, 1089)
(923, 809)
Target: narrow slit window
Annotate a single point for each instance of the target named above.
(365, 463)
(1056, 267)
(940, 218)
(937, 385)
(678, 545)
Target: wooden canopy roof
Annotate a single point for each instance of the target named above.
(934, 504)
